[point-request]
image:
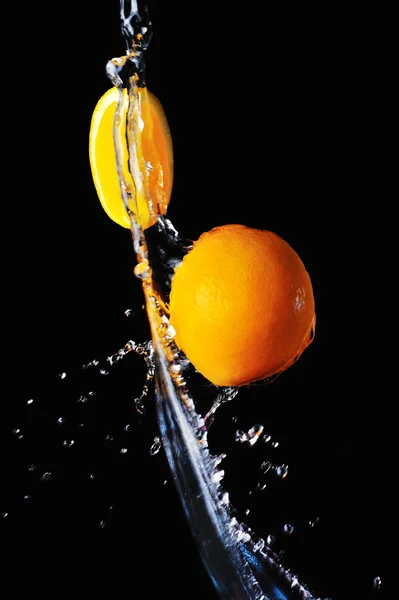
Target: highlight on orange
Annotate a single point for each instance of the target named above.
(156, 148)
(242, 305)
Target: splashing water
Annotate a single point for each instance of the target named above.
(239, 564)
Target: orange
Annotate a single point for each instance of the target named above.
(242, 305)
(155, 148)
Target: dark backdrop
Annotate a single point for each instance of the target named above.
(240, 87)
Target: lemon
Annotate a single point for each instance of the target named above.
(155, 146)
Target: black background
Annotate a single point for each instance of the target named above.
(241, 89)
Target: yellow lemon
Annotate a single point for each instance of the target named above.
(156, 148)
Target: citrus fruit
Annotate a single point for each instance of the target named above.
(242, 305)
(156, 148)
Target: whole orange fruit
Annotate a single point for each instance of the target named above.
(242, 305)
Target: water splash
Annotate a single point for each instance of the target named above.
(377, 583)
(225, 395)
(239, 566)
(68, 443)
(251, 436)
(288, 529)
(230, 529)
(156, 446)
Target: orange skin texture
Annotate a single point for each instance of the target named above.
(242, 305)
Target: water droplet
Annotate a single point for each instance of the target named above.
(142, 269)
(46, 476)
(377, 583)
(254, 433)
(266, 466)
(217, 476)
(170, 333)
(218, 459)
(60, 420)
(225, 499)
(17, 433)
(4, 515)
(288, 529)
(149, 166)
(123, 450)
(241, 436)
(32, 467)
(294, 581)
(270, 540)
(114, 358)
(139, 406)
(102, 524)
(129, 346)
(156, 446)
(30, 401)
(243, 537)
(260, 487)
(92, 363)
(163, 324)
(127, 427)
(282, 471)
(68, 443)
(251, 437)
(260, 544)
(313, 523)
(61, 376)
